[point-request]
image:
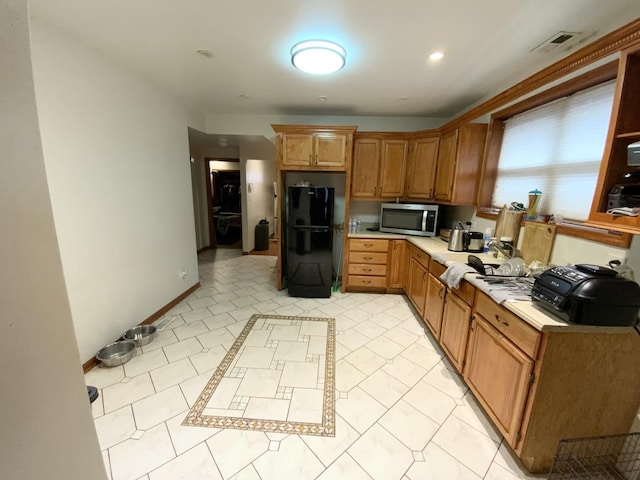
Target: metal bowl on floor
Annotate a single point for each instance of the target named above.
(116, 353)
(141, 335)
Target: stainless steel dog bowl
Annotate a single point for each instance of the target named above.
(117, 353)
(141, 335)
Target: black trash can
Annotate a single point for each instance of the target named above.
(262, 235)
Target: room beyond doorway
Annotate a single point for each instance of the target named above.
(225, 205)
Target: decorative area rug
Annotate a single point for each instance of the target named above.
(279, 376)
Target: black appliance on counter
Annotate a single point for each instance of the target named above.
(309, 241)
(588, 295)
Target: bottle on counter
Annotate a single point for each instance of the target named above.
(488, 234)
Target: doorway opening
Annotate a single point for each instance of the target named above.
(224, 202)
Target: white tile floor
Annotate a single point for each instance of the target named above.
(402, 412)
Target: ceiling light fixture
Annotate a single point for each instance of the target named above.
(318, 57)
(435, 56)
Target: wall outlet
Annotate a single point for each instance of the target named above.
(183, 273)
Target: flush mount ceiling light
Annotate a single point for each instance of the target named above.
(318, 56)
(435, 56)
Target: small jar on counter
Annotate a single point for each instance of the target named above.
(506, 244)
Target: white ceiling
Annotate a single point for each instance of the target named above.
(486, 43)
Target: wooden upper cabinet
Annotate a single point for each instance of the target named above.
(459, 160)
(392, 168)
(379, 165)
(330, 150)
(297, 149)
(366, 167)
(624, 129)
(446, 166)
(421, 168)
(305, 147)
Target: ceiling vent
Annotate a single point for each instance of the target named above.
(559, 42)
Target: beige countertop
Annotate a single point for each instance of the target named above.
(527, 310)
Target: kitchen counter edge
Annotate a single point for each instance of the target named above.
(525, 310)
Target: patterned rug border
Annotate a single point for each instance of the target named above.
(326, 428)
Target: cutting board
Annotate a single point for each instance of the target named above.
(537, 242)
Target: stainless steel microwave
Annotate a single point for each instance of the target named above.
(409, 218)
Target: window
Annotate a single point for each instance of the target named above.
(556, 148)
(553, 142)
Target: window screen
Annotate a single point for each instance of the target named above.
(556, 148)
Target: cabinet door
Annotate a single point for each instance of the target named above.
(417, 285)
(330, 150)
(446, 168)
(407, 263)
(434, 305)
(397, 266)
(499, 374)
(421, 169)
(366, 165)
(455, 329)
(392, 168)
(297, 149)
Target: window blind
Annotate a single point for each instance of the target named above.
(556, 148)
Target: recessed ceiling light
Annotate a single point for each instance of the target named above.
(435, 56)
(318, 56)
(205, 53)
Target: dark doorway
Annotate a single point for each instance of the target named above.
(225, 220)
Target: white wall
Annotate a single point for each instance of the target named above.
(47, 427)
(117, 160)
(261, 124)
(257, 166)
(258, 189)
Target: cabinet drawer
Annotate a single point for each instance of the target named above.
(366, 257)
(366, 269)
(421, 257)
(367, 245)
(362, 281)
(466, 292)
(514, 328)
(436, 268)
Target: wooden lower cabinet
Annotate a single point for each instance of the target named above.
(367, 264)
(455, 329)
(434, 305)
(417, 285)
(397, 265)
(499, 374)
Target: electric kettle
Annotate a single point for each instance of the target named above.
(456, 239)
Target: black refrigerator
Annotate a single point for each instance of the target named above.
(309, 241)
